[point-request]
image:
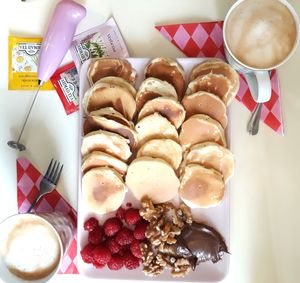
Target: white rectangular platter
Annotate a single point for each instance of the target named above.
(218, 217)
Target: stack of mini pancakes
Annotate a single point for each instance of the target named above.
(171, 121)
(160, 115)
(207, 164)
(109, 134)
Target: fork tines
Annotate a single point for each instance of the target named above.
(54, 171)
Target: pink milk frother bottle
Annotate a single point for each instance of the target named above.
(55, 45)
(57, 41)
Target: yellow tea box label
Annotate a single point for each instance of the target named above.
(23, 64)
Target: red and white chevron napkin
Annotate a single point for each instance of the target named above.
(28, 180)
(206, 40)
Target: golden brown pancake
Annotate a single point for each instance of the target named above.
(155, 126)
(103, 190)
(167, 107)
(106, 67)
(102, 159)
(218, 66)
(107, 142)
(108, 95)
(201, 187)
(212, 155)
(119, 82)
(213, 83)
(94, 123)
(201, 128)
(168, 70)
(152, 88)
(152, 177)
(165, 149)
(202, 102)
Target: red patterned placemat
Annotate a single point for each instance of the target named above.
(28, 180)
(206, 40)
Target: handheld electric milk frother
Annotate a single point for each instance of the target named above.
(55, 45)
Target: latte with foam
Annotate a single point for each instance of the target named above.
(32, 250)
(261, 33)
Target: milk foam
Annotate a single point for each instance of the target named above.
(261, 33)
(32, 247)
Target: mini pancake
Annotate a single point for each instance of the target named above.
(201, 187)
(218, 66)
(212, 155)
(109, 95)
(168, 70)
(213, 83)
(93, 123)
(165, 149)
(152, 88)
(155, 126)
(121, 83)
(202, 102)
(152, 177)
(201, 128)
(107, 142)
(106, 67)
(102, 159)
(103, 190)
(167, 107)
(111, 113)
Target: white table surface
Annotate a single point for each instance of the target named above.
(265, 192)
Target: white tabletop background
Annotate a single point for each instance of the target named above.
(265, 191)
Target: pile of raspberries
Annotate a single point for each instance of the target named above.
(117, 242)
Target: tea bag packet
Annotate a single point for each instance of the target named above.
(23, 62)
(101, 41)
(66, 83)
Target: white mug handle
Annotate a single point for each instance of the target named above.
(260, 85)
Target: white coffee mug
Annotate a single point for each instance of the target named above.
(19, 238)
(257, 78)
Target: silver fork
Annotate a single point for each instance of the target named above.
(49, 181)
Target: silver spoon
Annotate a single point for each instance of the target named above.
(253, 124)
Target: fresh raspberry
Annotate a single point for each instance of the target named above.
(135, 248)
(140, 230)
(90, 224)
(123, 250)
(115, 263)
(111, 226)
(96, 236)
(124, 237)
(130, 261)
(112, 245)
(132, 216)
(86, 253)
(120, 213)
(101, 255)
(98, 265)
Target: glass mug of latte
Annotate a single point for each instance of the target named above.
(260, 35)
(32, 246)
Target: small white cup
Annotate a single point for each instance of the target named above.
(258, 79)
(59, 223)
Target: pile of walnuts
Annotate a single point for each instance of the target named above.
(165, 224)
